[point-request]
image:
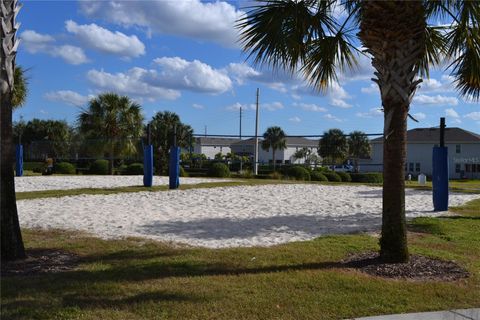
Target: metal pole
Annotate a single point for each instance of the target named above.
(442, 132)
(256, 138)
(241, 161)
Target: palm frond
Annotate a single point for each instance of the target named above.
(435, 50)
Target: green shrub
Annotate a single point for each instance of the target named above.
(64, 168)
(134, 169)
(33, 166)
(219, 170)
(122, 169)
(183, 173)
(373, 177)
(298, 173)
(245, 174)
(322, 169)
(345, 176)
(332, 176)
(318, 176)
(275, 175)
(99, 167)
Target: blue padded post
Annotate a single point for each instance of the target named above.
(19, 160)
(148, 165)
(440, 178)
(174, 167)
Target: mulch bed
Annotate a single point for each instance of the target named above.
(418, 268)
(41, 261)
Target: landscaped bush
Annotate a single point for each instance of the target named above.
(183, 173)
(318, 176)
(219, 170)
(345, 176)
(245, 174)
(333, 176)
(375, 177)
(99, 167)
(275, 175)
(298, 173)
(64, 168)
(134, 169)
(33, 166)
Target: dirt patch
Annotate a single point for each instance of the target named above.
(40, 261)
(418, 268)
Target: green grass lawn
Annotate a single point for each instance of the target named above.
(139, 279)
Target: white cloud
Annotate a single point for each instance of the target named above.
(295, 119)
(237, 106)
(241, 72)
(67, 96)
(332, 117)
(198, 106)
(177, 73)
(373, 112)
(373, 88)
(203, 21)
(309, 107)
(340, 103)
(451, 113)
(435, 100)
(473, 116)
(273, 106)
(132, 83)
(106, 41)
(419, 116)
(35, 42)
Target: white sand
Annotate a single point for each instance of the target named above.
(37, 183)
(226, 217)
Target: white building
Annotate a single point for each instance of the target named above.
(463, 153)
(211, 146)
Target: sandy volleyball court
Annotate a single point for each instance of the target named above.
(228, 216)
(37, 183)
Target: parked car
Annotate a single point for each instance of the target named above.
(342, 168)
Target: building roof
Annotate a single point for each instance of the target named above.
(432, 135)
(290, 141)
(208, 141)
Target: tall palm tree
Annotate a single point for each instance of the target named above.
(11, 238)
(274, 138)
(20, 88)
(358, 146)
(308, 36)
(115, 121)
(333, 146)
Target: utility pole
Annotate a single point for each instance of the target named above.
(256, 139)
(241, 161)
(205, 131)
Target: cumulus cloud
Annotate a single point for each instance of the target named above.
(473, 116)
(451, 113)
(203, 21)
(435, 100)
(309, 107)
(329, 116)
(35, 42)
(106, 41)
(131, 83)
(419, 116)
(273, 106)
(67, 96)
(198, 106)
(373, 88)
(236, 106)
(295, 119)
(444, 84)
(373, 112)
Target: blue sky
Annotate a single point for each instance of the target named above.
(182, 56)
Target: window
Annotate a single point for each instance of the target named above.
(457, 168)
(458, 148)
(287, 161)
(474, 168)
(468, 167)
(417, 167)
(410, 167)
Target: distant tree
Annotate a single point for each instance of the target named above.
(358, 146)
(333, 146)
(115, 122)
(274, 138)
(218, 156)
(302, 153)
(163, 125)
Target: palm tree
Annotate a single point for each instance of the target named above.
(12, 247)
(20, 88)
(333, 146)
(274, 138)
(307, 36)
(358, 146)
(302, 153)
(115, 122)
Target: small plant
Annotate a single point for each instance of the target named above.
(183, 173)
(333, 176)
(99, 167)
(246, 174)
(134, 169)
(299, 173)
(318, 176)
(373, 177)
(64, 168)
(275, 175)
(345, 176)
(219, 170)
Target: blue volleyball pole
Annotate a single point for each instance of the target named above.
(148, 161)
(19, 160)
(174, 167)
(440, 172)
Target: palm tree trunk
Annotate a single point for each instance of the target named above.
(12, 244)
(394, 33)
(112, 158)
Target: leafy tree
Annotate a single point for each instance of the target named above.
(307, 36)
(115, 123)
(218, 156)
(163, 125)
(302, 153)
(358, 146)
(274, 138)
(333, 146)
(12, 247)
